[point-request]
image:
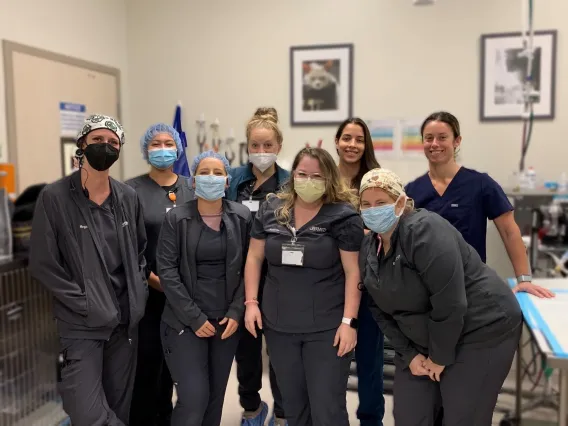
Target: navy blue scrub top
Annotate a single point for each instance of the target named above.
(470, 199)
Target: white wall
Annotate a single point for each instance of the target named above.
(93, 30)
(225, 58)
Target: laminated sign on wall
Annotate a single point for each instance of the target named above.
(384, 134)
(72, 117)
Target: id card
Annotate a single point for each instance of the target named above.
(252, 205)
(293, 254)
(168, 209)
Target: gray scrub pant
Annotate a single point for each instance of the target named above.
(200, 369)
(97, 378)
(467, 391)
(311, 377)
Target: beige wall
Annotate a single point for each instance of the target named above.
(93, 30)
(224, 58)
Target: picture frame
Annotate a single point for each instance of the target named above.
(68, 161)
(503, 71)
(321, 84)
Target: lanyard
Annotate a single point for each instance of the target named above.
(380, 244)
(251, 189)
(293, 231)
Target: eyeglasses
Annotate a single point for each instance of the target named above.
(304, 175)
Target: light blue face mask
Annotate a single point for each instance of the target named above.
(210, 187)
(380, 219)
(162, 158)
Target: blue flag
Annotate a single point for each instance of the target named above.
(181, 167)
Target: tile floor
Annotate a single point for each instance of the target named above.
(232, 410)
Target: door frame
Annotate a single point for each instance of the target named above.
(9, 48)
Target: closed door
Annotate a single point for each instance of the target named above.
(39, 83)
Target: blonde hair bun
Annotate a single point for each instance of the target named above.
(267, 113)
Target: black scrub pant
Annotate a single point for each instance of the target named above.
(249, 374)
(153, 387)
(311, 377)
(200, 368)
(96, 379)
(467, 391)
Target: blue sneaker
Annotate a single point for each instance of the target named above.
(274, 421)
(259, 419)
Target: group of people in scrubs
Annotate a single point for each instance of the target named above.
(163, 281)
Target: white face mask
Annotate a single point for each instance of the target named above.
(262, 161)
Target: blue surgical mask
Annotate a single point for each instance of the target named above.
(380, 219)
(162, 158)
(210, 187)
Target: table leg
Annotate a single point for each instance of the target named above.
(563, 412)
(519, 382)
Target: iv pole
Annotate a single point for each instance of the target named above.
(529, 93)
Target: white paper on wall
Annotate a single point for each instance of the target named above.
(71, 117)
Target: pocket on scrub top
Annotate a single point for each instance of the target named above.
(459, 215)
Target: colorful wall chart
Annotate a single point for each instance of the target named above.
(411, 139)
(383, 135)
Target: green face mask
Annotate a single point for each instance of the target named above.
(309, 190)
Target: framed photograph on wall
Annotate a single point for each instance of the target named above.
(321, 84)
(68, 161)
(504, 70)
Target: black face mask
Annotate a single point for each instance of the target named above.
(101, 155)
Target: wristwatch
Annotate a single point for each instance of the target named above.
(351, 322)
(524, 279)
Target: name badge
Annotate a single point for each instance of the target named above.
(293, 254)
(252, 205)
(168, 209)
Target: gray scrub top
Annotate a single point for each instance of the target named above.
(246, 190)
(155, 201)
(105, 225)
(308, 298)
(431, 292)
(210, 257)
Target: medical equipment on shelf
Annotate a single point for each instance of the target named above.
(549, 238)
(217, 142)
(201, 134)
(215, 135)
(229, 151)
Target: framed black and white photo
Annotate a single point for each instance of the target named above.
(321, 84)
(69, 162)
(504, 69)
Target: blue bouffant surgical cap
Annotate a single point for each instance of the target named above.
(154, 130)
(211, 154)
